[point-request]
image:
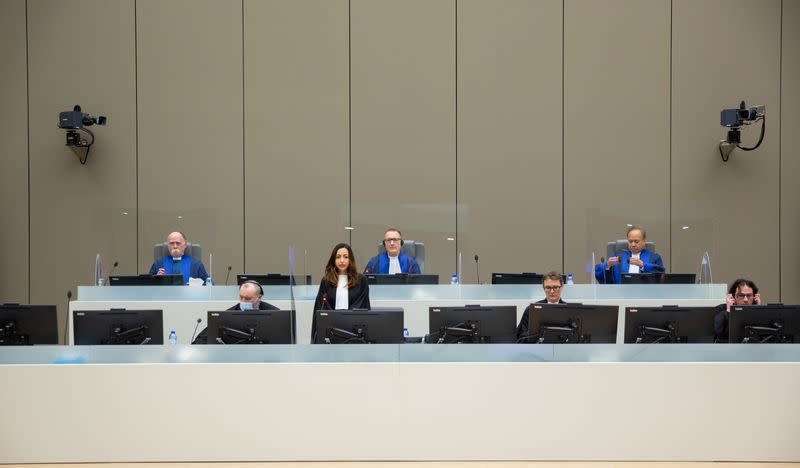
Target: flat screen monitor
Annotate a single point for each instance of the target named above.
(378, 325)
(251, 327)
(22, 324)
(641, 278)
(146, 280)
(771, 323)
(118, 326)
(401, 278)
(572, 323)
(472, 324)
(669, 324)
(679, 278)
(517, 278)
(274, 279)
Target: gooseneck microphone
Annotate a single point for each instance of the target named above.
(195, 330)
(477, 271)
(66, 321)
(228, 275)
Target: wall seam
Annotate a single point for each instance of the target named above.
(669, 226)
(136, 121)
(780, 158)
(563, 139)
(244, 163)
(28, 117)
(349, 122)
(455, 88)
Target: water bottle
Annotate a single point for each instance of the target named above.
(100, 281)
(569, 279)
(173, 338)
(209, 282)
(454, 279)
(405, 333)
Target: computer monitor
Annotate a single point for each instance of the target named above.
(641, 278)
(679, 278)
(401, 278)
(771, 323)
(251, 327)
(572, 323)
(22, 324)
(669, 324)
(378, 325)
(274, 279)
(146, 280)
(118, 326)
(472, 324)
(517, 278)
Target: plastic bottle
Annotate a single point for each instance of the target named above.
(209, 282)
(454, 279)
(173, 338)
(405, 333)
(569, 279)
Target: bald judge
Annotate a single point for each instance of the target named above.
(176, 263)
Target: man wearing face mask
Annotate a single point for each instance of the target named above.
(177, 263)
(250, 294)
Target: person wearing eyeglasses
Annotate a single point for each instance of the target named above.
(392, 261)
(552, 284)
(742, 292)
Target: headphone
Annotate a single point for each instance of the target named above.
(256, 283)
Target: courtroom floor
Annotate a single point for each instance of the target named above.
(454, 464)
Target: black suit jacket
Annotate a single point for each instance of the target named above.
(202, 337)
(522, 328)
(357, 298)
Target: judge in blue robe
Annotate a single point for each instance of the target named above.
(634, 260)
(381, 264)
(178, 263)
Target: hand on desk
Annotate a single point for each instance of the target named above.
(160, 272)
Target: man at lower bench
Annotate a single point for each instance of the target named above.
(552, 285)
(250, 294)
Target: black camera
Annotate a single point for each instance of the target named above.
(734, 118)
(75, 119)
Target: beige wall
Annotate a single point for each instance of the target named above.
(78, 211)
(530, 132)
(731, 208)
(790, 152)
(13, 153)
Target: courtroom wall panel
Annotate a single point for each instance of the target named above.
(78, 211)
(403, 126)
(616, 126)
(190, 127)
(14, 151)
(731, 208)
(790, 153)
(296, 160)
(509, 136)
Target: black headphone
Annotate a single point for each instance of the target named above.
(401, 239)
(260, 289)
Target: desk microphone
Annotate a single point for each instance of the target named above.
(228, 275)
(113, 267)
(477, 271)
(195, 330)
(66, 322)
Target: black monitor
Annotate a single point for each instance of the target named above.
(641, 278)
(679, 278)
(572, 323)
(379, 325)
(472, 324)
(146, 280)
(401, 278)
(669, 324)
(517, 278)
(274, 279)
(772, 323)
(251, 327)
(118, 326)
(22, 324)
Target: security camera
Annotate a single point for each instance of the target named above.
(734, 120)
(75, 119)
(75, 122)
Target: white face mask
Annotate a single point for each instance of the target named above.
(246, 305)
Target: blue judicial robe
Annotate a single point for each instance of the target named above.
(652, 264)
(379, 264)
(190, 268)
